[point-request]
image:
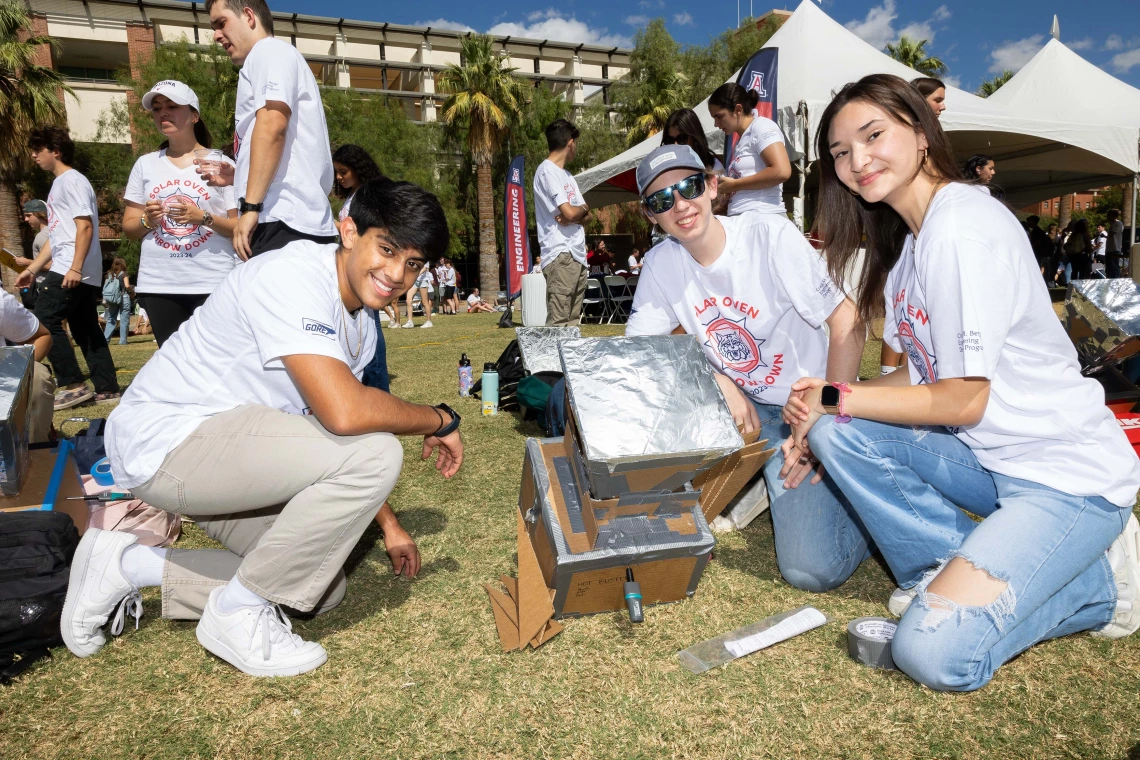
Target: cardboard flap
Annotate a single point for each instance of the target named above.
(508, 628)
(534, 598)
(730, 475)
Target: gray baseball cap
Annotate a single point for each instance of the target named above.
(664, 158)
(35, 207)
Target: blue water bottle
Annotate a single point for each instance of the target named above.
(490, 389)
(464, 376)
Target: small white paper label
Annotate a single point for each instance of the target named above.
(801, 622)
(876, 630)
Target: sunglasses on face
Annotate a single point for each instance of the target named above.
(690, 188)
(678, 140)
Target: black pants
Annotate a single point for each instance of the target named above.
(269, 236)
(77, 305)
(167, 311)
(1112, 262)
(1082, 265)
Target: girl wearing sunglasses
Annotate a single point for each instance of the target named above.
(756, 295)
(683, 127)
(759, 164)
(991, 417)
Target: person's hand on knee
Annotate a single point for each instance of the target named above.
(739, 405)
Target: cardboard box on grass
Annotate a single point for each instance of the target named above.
(646, 411)
(52, 478)
(16, 364)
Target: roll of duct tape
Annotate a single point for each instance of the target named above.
(869, 641)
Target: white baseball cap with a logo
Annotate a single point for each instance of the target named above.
(173, 89)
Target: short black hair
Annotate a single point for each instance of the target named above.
(1113, 213)
(559, 134)
(410, 216)
(259, 7)
(1033, 219)
(53, 138)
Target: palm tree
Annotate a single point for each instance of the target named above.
(30, 96)
(912, 53)
(645, 114)
(484, 96)
(990, 86)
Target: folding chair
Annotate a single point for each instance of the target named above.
(619, 298)
(631, 284)
(594, 297)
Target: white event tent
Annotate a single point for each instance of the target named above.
(1038, 157)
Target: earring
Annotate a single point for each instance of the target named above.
(924, 152)
(852, 191)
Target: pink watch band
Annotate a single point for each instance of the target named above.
(844, 390)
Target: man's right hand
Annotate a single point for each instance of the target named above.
(450, 449)
(739, 405)
(26, 279)
(224, 177)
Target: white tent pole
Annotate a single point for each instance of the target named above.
(1135, 178)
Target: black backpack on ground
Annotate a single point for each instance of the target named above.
(510, 369)
(35, 561)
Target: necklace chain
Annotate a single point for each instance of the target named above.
(359, 334)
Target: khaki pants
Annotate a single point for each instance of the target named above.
(287, 499)
(41, 404)
(565, 288)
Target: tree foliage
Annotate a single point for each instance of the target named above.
(990, 86)
(912, 53)
(707, 67)
(654, 87)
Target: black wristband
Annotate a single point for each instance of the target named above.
(450, 427)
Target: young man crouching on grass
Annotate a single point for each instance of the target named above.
(252, 419)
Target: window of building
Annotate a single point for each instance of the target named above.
(87, 72)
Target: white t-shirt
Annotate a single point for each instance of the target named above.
(746, 161)
(758, 310)
(554, 186)
(17, 324)
(71, 195)
(346, 209)
(449, 277)
(472, 300)
(298, 195)
(282, 303)
(970, 302)
(1099, 241)
(633, 263)
(425, 280)
(177, 258)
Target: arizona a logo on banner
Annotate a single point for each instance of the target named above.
(759, 74)
(514, 232)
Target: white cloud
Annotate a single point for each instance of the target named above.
(1014, 54)
(952, 81)
(551, 25)
(941, 13)
(1084, 44)
(652, 3)
(878, 27)
(637, 20)
(442, 23)
(1114, 42)
(683, 19)
(1124, 62)
(919, 30)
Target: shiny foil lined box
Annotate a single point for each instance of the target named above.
(15, 392)
(1102, 318)
(646, 412)
(539, 347)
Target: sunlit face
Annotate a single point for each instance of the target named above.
(937, 101)
(233, 31)
(688, 220)
(46, 159)
(345, 177)
(874, 155)
(986, 173)
(727, 121)
(378, 272)
(171, 118)
(33, 221)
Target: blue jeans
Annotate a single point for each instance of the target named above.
(122, 312)
(912, 488)
(820, 540)
(376, 373)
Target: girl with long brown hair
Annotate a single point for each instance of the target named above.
(991, 417)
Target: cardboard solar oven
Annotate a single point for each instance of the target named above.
(645, 420)
(539, 347)
(1102, 318)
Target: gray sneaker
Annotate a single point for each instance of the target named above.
(74, 397)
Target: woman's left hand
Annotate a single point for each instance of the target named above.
(798, 464)
(185, 214)
(804, 422)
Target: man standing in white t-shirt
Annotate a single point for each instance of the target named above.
(269, 439)
(71, 290)
(560, 211)
(1114, 249)
(284, 170)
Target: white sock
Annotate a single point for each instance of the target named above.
(886, 370)
(235, 596)
(142, 565)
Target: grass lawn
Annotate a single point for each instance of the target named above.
(415, 669)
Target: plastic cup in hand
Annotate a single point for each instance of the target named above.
(209, 161)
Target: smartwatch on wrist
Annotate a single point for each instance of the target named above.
(244, 207)
(450, 427)
(829, 399)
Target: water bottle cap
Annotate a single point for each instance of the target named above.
(490, 367)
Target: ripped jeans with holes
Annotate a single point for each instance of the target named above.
(912, 489)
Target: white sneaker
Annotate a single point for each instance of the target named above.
(1124, 556)
(426, 324)
(95, 588)
(409, 323)
(257, 640)
(900, 600)
(395, 325)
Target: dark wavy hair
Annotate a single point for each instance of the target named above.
(973, 163)
(729, 96)
(686, 121)
(842, 219)
(53, 138)
(360, 162)
(410, 216)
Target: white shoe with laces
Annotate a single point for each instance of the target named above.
(900, 600)
(409, 324)
(426, 324)
(95, 588)
(1124, 556)
(394, 324)
(257, 640)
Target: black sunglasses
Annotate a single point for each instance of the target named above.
(690, 188)
(681, 139)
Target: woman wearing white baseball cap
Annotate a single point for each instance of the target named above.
(184, 224)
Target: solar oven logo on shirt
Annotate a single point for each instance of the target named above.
(171, 227)
(737, 348)
(318, 328)
(917, 353)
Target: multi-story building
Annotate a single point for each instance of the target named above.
(1052, 207)
(98, 37)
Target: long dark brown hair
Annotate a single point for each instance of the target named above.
(688, 124)
(843, 219)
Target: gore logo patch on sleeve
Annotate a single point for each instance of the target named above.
(317, 328)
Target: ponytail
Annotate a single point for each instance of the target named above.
(729, 96)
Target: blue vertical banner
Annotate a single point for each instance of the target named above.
(514, 228)
(758, 75)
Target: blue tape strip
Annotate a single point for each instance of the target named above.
(633, 596)
(61, 457)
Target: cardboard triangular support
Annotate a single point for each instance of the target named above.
(523, 615)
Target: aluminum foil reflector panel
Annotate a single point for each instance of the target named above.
(1102, 318)
(539, 346)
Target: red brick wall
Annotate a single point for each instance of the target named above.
(140, 49)
(43, 55)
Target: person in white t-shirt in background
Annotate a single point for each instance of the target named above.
(19, 326)
(185, 225)
(634, 262)
(757, 297)
(425, 286)
(992, 415)
(449, 299)
(759, 165)
(252, 419)
(559, 211)
(284, 171)
(475, 303)
(1114, 248)
(72, 289)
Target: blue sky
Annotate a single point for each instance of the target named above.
(976, 38)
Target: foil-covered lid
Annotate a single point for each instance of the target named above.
(1102, 318)
(14, 363)
(646, 397)
(539, 346)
